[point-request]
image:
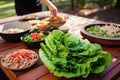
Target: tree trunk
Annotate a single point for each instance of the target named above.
(117, 4)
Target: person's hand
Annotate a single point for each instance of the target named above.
(51, 7)
(53, 10)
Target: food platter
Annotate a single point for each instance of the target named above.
(49, 23)
(100, 39)
(19, 59)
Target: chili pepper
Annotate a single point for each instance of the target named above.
(35, 35)
(19, 55)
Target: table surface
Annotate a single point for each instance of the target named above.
(40, 72)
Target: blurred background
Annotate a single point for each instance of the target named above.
(104, 10)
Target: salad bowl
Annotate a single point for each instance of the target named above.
(97, 35)
(34, 38)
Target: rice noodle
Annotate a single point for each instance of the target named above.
(19, 59)
(13, 30)
(111, 29)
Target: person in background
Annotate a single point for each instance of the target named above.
(23, 7)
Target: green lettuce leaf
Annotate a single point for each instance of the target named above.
(49, 64)
(67, 55)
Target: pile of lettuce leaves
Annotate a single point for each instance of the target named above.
(67, 55)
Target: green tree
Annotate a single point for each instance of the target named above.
(82, 3)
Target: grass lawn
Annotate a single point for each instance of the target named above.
(7, 7)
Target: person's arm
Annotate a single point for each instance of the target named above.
(51, 7)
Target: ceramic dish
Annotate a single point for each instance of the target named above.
(34, 43)
(19, 59)
(57, 21)
(100, 39)
(12, 31)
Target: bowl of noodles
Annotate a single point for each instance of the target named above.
(103, 33)
(11, 32)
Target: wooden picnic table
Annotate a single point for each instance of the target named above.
(40, 72)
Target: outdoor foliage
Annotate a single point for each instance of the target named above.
(7, 6)
(101, 3)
